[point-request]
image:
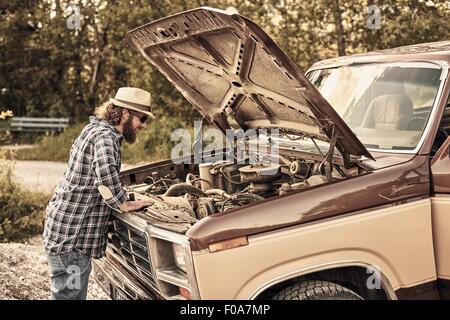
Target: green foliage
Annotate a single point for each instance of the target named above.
(153, 143)
(5, 138)
(53, 147)
(50, 70)
(22, 212)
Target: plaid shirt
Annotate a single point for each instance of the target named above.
(77, 215)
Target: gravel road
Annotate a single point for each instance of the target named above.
(39, 175)
(42, 175)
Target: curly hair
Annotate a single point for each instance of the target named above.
(109, 112)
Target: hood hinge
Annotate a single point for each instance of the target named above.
(329, 157)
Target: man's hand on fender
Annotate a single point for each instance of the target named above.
(128, 206)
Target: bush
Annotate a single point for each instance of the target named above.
(21, 212)
(52, 148)
(153, 143)
(5, 138)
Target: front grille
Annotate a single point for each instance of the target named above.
(130, 244)
(111, 279)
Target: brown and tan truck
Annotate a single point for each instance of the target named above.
(356, 205)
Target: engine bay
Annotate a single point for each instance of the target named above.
(184, 194)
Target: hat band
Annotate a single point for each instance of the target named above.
(135, 105)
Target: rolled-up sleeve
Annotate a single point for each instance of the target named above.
(107, 166)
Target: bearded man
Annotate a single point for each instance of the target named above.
(77, 214)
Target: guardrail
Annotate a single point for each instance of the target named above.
(30, 124)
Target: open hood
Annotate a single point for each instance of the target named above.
(237, 77)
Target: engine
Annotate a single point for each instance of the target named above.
(221, 186)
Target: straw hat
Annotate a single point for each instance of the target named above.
(134, 99)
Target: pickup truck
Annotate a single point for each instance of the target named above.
(356, 205)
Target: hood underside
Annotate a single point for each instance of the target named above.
(237, 77)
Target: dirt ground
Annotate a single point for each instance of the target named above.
(24, 273)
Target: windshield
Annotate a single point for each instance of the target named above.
(387, 106)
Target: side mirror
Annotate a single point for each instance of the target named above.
(440, 169)
(443, 152)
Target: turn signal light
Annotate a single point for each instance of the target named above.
(228, 244)
(185, 293)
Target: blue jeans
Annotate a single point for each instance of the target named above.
(69, 275)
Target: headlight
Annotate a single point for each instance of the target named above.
(172, 264)
(180, 256)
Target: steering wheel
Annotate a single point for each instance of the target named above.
(416, 123)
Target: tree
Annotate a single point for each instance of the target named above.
(49, 69)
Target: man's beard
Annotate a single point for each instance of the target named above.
(129, 133)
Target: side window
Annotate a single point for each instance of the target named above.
(443, 130)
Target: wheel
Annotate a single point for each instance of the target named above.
(316, 290)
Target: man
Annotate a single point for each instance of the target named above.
(77, 214)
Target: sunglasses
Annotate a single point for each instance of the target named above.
(142, 117)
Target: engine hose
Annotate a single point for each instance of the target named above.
(218, 192)
(182, 188)
(229, 178)
(190, 178)
(223, 204)
(158, 182)
(249, 195)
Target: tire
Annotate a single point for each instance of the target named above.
(316, 290)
